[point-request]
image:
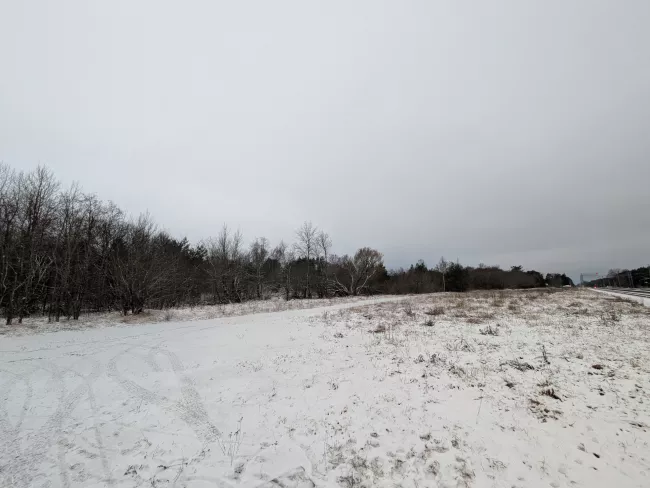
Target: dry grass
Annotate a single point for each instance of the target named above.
(610, 316)
(141, 318)
(489, 330)
(534, 349)
(435, 311)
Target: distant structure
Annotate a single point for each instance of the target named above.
(587, 277)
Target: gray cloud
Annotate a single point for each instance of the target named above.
(502, 132)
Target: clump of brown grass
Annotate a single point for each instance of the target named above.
(461, 304)
(489, 330)
(457, 370)
(435, 311)
(610, 317)
(550, 392)
(480, 317)
(498, 302)
(137, 318)
(519, 365)
(581, 311)
(514, 307)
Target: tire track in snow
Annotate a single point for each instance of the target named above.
(188, 408)
(9, 434)
(22, 469)
(97, 434)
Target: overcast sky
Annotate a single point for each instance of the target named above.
(503, 132)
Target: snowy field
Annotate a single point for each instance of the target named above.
(505, 389)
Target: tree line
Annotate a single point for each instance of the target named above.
(64, 252)
(453, 276)
(624, 278)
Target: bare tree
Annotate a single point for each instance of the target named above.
(286, 257)
(91, 214)
(10, 199)
(323, 246)
(306, 248)
(353, 275)
(111, 227)
(443, 267)
(259, 254)
(614, 276)
(67, 242)
(140, 271)
(37, 211)
(225, 266)
(217, 257)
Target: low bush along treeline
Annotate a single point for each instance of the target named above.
(64, 252)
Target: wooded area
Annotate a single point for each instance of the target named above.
(625, 278)
(64, 253)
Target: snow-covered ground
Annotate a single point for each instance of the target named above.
(507, 389)
(116, 319)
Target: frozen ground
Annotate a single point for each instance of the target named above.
(203, 312)
(509, 389)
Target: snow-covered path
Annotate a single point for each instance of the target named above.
(110, 406)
